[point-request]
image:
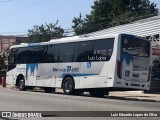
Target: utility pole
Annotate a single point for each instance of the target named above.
(1, 42)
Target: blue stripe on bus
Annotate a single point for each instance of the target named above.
(32, 68)
(77, 75)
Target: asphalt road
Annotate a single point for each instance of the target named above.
(14, 100)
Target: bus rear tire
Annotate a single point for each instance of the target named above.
(68, 86)
(98, 92)
(21, 85)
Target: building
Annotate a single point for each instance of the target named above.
(149, 28)
(7, 41)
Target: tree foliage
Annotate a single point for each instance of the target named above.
(108, 13)
(45, 32)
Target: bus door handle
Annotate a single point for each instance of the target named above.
(84, 77)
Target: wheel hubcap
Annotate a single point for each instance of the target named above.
(21, 84)
(68, 86)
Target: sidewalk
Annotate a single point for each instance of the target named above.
(135, 95)
(122, 95)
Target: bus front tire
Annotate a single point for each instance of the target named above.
(68, 86)
(21, 85)
(98, 92)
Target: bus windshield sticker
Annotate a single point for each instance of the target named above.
(89, 65)
(69, 68)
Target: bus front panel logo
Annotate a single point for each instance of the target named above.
(89, 65)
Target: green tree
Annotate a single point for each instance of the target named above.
(45, 32)
(78, 24)
(108, 13)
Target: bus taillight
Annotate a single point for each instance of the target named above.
(119, 69)
(149, 73)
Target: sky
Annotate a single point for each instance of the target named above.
(18, 16)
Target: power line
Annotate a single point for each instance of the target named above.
(22, 9)
(5, 1)
(71, 30)
(67, 30)
(22, 33)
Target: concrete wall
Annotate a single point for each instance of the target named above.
(6, 42)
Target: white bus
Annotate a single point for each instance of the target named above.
(93, 64)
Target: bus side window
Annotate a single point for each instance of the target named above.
(23, 55)
(52, 53)
(66, 52)
(103, 48)
(83, 50)
(36, 54)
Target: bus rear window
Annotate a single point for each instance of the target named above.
(135, 46)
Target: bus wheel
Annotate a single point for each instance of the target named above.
(49, 90)
(68, 86)
(21, 85)
(98, 92)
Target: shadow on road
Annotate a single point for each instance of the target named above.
(145, 98)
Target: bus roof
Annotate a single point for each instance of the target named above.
(66, 39)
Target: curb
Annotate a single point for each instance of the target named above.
(131, 99)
